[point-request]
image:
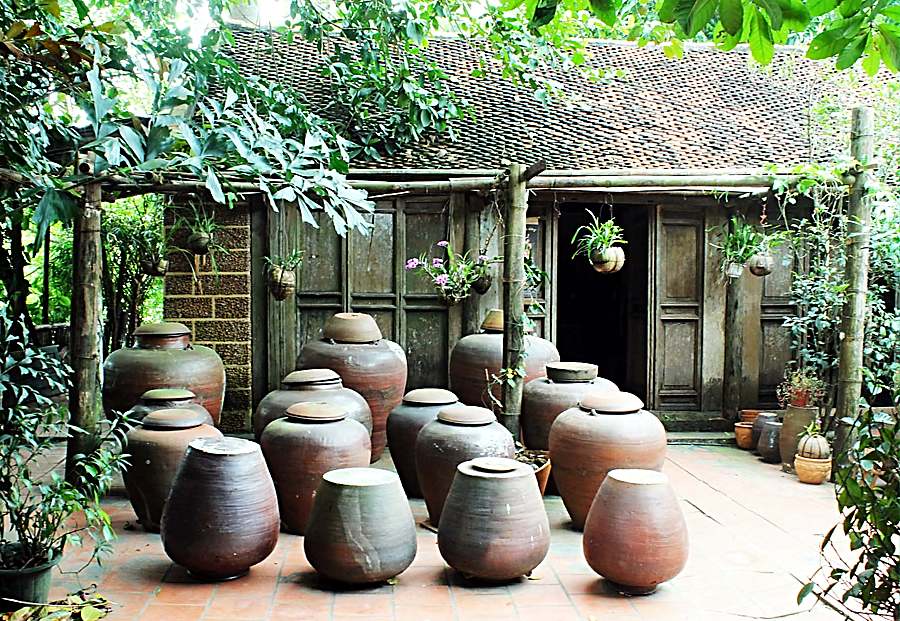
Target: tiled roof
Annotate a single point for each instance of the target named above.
(709, 109)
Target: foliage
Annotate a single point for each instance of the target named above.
(739, 242)
(40, 507)
(288, 263)
(535, 279)
(454, 276)
(202, 243)
(800, 386)
(83, 605)
(596, 237)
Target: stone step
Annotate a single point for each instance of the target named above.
(703, 438)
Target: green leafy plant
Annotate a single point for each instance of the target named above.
(801, 387)
(289, 262)
(592, 239)
(202, 244)
(83, 605)
(738, 242)
(454, 275)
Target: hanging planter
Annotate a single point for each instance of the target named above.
(734, 270)
(455, 277)
(199, 242)
(281, 274)
(761, 264)
(482, 284)
(155, 267)
(600, 243)
(608, 261)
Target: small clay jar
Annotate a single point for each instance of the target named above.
(635, 535)
(758, 424)
(769, 439)
(157, 447)
(608, 430)
(310, 440)
(493, 525)
(311, 386)
(796, 419)
(743, 435)
(166, 399)
(221, 517)
(545, 398)
(419, 407)
(458, 434)
(361, 529)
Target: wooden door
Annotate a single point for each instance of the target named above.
(774, 338)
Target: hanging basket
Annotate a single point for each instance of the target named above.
(199, 243)
(608, 261)
(734, 270)
(482, 284)
(282, 283)
(761, 264)
(154, 267)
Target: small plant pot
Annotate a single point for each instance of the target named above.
(539, 462)
(812, 471)
(608, 261)
(800, 398)
(761, 264)
(734, 270)
(482, 284)
(743, 435)
(198, 243)
(155, 267)
(282, 283)
(30, 585)
(749, 416)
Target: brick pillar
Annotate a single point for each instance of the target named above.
(216, 307)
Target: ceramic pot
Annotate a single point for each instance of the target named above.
(458, 434)
(734, 270)
(361, 529)
(311, 440)
(743, 435)
(476, 357)
(494, 525)
(761, 264)
(221, 517)
(796, 419)
(157, 447)
(311, 386)
(545, 398)
(31, 584)
(814, 446)
(812, 471)
(167, 399)
(768, 445)
(635, 535)
(163, 357)
(608, 261)
(419, 407)
(749, 416)
(608, 430)
(374, 367)
(757, 428)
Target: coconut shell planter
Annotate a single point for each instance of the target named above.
(282, 282)
(608, 261)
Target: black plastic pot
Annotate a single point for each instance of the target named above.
(31, 585)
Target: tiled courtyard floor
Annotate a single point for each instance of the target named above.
(754, 535)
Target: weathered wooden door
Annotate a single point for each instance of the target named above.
(774, 338)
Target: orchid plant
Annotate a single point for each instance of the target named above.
(454, 275)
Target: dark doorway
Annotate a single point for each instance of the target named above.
(602, 318)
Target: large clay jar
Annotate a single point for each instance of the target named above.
(311, 386)
(796, 419)
(221, 517)
(156, 448)
(311, 440)
(163, 357)
(373, 366)
(635, 535)
(769, 441)
(167, 399)
(545, 398)
(476, 357)
(607, 430)
(419, 407)
(361, 529)
(494, 525)
(459, 433)
(758, 424)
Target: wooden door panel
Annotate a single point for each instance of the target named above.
(422, 230)
(427, 332)
(372, 257)
(322, 268)
(775, 339)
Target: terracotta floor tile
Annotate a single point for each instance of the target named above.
(239, 607)
(364, 606)
(252, 585)
(423, 575)
(296, 593)
(422, 596)
(549, 613)
(424, 613)
(184, 593)
(166, 612)
(582, 583)
(484, 606)
(539, 595)
(603, 604)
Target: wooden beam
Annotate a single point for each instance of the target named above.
(734, 350)
(472, 245)
(636, 181)
(535, 169)
(513, 294)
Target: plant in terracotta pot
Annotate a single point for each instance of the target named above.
(600, 242)
(202, 244)
(739, 242)
(454, 276)
(813, 461)
(800, 388)
(280, 274)
(539, 462)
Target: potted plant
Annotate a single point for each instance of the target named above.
(39, 507)
(801, 389)
(600, 242)
(813, 460)
(538, 460)
(202, 229)
(280, 274)
(484, 279)
(535, 278)
(740, 241)
(453, 277)
(154, 254)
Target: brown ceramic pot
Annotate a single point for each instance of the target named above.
(311, 386)
(608, 430)
(494, 525)
(796, 419)
(635, 535)
(221, 517)
(167, 399)
(545, 398)
(372, 366)
(743, 435)
(163, 357)
(419, 407)
(769, 439)
(459, 433)
(157, 447)
(475, 354)
(311, 440)
(811, 470)
(757, 428)
(361, 529)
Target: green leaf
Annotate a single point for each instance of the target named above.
(872, 62)
(89, 613)
(849, 7)
(762, 47)
(806, 590)
(102, 104)
(667, 10)
(820, 7)
(731, 13)
(134, 141)
(888, 41)
(773, 10)
(701, 12)
(605, 10)
(852, 52)
(892, 12)
(795, 13)
(544, 13)
(414, 31)
(826, 44)
(212, 184)
(54, 206)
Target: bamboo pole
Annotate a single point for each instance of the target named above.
(471, 245)
(734, 351)
(513, 295)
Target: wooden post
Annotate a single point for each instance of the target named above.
(45, 278)
(513, 294)
(856, 271)
(734, 350)
(472, 245)
(84, 403)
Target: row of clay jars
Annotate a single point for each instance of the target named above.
(545, 398)
(163, 357)
(353, 347)
(608, 430)
(167, 399)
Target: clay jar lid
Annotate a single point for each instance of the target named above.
(352, 328)
(167, 394)
(610, 402)
(571, 371)
(429, 396)
(316, 412)
(311, 377)
(466, 415)
(493, 321)
(168, 328)
(171, 419)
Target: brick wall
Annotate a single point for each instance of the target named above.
(216, 307)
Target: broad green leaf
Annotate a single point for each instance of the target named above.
(544, 13)
(762, 47)
(731, 14)
(701, 12)
(892, 12)
(54, 206)
(212, 184)
(134, 141)
(667, 10)
(820, 7)
(605, 10)
(102, 104)
(89, 613)
(158, 141)
(872, 62)
(826, 44)
(795, 13)
(773, 10)
(852, 52)
(888, 41)
(806, 590)
(849, 7)
(414, 31)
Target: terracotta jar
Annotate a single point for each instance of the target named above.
(373, 366)
(308, 386)
(459, 433)
(476, 353)
(635, 535)
(494, 525)
(157, 447)
(796, 419)
(221, 517)
(545, 398)
(608, 430)
(163, 357)
(419, 407)
(769, 439)
(166, 399)
(311, 440)
(361, 529)
(811, 470)
(758, 424)
(743, 435)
